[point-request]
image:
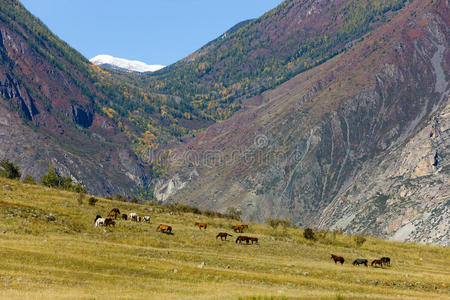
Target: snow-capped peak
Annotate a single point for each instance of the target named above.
(124, 64)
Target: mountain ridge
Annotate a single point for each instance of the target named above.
(300, 151)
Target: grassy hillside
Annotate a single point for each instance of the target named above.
(69, 258)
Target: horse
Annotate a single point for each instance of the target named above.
(99, 221)
(242, 238)
(164, 228)
(109, 222)
(222, 235)
(124, 217)
(114, 213)
(239, 228)
(377, 262)
(201, 225)
(133, 217)
(360, 261)
(337, 258)
(139, 219)
(147, 219)
(386, 261)
(254, 240)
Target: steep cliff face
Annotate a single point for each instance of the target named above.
(316, 149)
(47, 110)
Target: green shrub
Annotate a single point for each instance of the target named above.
(92, 201)
(80, 198)
(9, 169)
(276, 222)
(51, 179)
(234, 213)
(121, 198)
(309, 234)
(29, 179)
(359, 240)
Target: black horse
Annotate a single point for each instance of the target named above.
(386, 261)
(360, 261)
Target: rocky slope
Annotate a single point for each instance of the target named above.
(359, 142)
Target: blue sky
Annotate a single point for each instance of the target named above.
(153, 31)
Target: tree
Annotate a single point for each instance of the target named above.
(9, 169)
(51, 179)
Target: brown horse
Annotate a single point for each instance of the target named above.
(222, 235)
(386, 261)
(377, 262)
(253, 240)
(201, 225)
(337, 258)
(164, 228)
(114, 213)
(109, 222)
(239, 228)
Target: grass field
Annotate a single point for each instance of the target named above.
(68, 258)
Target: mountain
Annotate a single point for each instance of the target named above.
(262, 53)
(50, 114)
(329, 114)
(358, 142)
(124, 64)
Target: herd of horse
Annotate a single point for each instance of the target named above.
(384, 261)
(115, 213)
(167, 229)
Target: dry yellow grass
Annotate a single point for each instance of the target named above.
(70, 259)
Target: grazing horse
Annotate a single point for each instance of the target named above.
(242, 238)
(377, 262)
(386, 261)
(239, 228)
(114, 213)
(254, 240)
(109, 222)
(201, 225)
(99, 221)
(133, 217)
(164, 228)
(360, 261)
(337, 259)
(147, 219)
(222, 235)
(124, 217)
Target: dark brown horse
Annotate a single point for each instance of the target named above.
(164, 228)
(253, 240)
(376, 262)
(386, 261)
(201, 225)
(337, 258)
(242, 238)
(109, 222)
(124, 217)
(222, 235)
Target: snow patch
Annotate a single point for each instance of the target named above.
(125, 64)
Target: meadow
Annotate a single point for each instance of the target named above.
(50, 249)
